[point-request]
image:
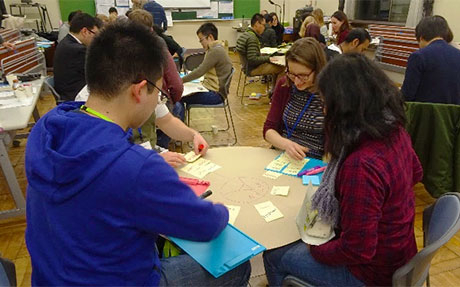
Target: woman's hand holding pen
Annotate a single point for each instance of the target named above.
(200, 146)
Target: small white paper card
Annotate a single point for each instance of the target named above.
(268, 211)
(280, 190)
(271, 174)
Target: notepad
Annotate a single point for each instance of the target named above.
(268, 211)
(191, 156)
(228, 250)
(314, 179)
(286, 165)
(280, 190)
(200, 168)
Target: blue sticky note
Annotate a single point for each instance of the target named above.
(314, 179)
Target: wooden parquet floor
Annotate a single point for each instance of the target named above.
(248, 119)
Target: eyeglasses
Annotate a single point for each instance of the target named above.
(91, 31)
(300, 77)
(164, 96)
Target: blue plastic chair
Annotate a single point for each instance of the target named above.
(441, 221)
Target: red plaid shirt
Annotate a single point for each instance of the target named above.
(377, 206)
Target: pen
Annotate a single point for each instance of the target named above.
(307, 170)
(316, 171)
(205, 194)
(200, 147)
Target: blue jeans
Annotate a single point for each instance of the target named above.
(183, 270)
(202, 98)
(295, 259)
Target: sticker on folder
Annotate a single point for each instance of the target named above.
(225, 252)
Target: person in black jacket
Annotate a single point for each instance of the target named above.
(268, 37)
(278, 27)
(69, 58)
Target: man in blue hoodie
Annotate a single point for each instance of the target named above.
(96, 202)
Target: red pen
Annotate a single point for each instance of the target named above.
(200, 147)
(316, 171)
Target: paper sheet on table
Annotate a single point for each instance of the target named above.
(280, 190)
(200, 168)
(191, 88)
(233, 211)
(226, 7)
(271, 174)
(278, 60)
(268, 50)
(212, 12)
(268, 211)
(9, 100)
(191, 156)
(295, 166)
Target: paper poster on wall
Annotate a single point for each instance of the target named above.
(169, 18)
(105, 2)
(122, 3)
(103, 9)
(184, 3)
(212, 12)
(226, 7)
(122, 10)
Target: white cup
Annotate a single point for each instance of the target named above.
(215, 129)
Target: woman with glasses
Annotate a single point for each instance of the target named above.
(295, 120)
(367, 189)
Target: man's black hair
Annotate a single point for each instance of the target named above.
(122, 54)
(83, 20)
(72, 15)
(268, 18)
(208, 29)
(431, 27)
(113, 10)
(257, 18)
(358, 33)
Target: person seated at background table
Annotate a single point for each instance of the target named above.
(248, 46)
(96, 202)
(69, 58)
(340, 26)
(295, 120)
(216, 68)
(308, 20)
(433, 72)
(314, 31)
(64, 28)
(319, 18)
(173, 89)
(357, 41)
(278, 27)
(367, 189)
(268, 37)
(113, 14)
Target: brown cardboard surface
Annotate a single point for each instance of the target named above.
(240, 182)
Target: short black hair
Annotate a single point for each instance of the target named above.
(84, 20)
(431, 27)
(361, 102)
(208, 29)
(113, 10)
(257, 18)
(358, 33)
(268, 18)
(72, 14)
(122, 54)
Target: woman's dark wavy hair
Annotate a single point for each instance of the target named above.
(359, 99)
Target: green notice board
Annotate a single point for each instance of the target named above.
(245, 8)
(67, 6)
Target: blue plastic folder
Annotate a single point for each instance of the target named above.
(220, 255)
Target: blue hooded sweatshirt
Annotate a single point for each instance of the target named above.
(96, 204)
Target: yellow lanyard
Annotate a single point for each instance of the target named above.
(94, 113)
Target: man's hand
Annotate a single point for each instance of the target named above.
(200, 146)
(174, 159)
(294, 150)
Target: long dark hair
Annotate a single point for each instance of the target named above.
(360, 100)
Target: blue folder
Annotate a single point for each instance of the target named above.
(225, 252)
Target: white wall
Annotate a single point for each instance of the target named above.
(449, 9)
(51, 5)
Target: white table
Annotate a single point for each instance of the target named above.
(10, 120)
(240, 182)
